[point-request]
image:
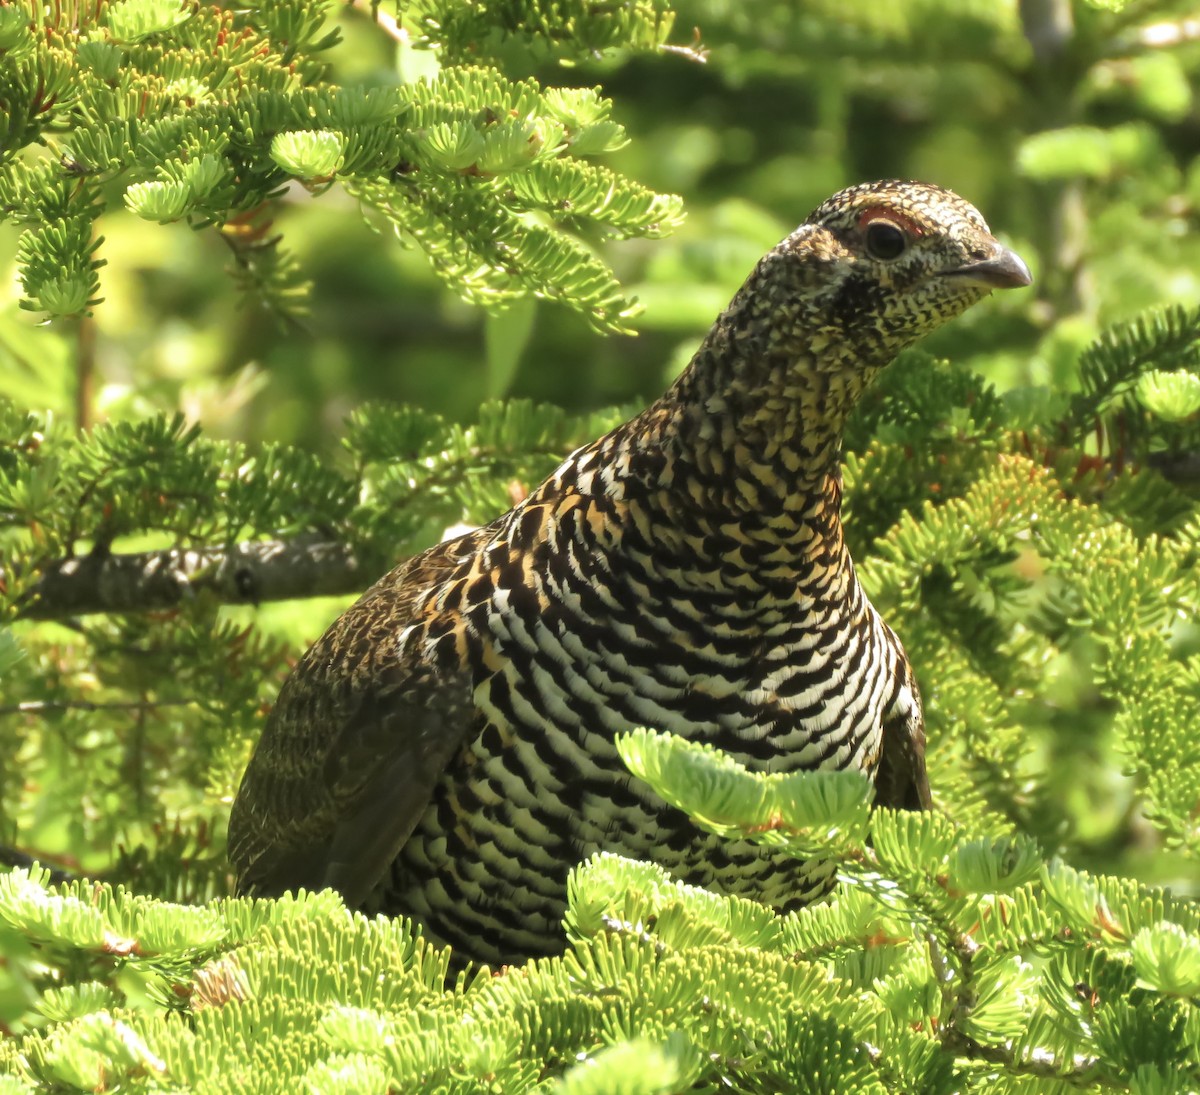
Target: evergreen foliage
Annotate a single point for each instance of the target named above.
(1035, 547)
(204, 115)
(958, 952)
(949, 960)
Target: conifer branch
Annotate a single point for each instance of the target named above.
(1038, 1064)
(952, 956)
(245, 573)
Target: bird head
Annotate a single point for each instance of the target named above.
(871, 271)
(878, 266)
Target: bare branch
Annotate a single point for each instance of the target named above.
(696, 51)
(42, 707)
(247, 573)
(16, 858)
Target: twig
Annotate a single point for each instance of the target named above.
(1083, 1071)
(386, 23)
(952, 956)
(696, 51)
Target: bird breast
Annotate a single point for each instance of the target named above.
(588, 619)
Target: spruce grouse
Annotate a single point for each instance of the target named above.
(445, 750)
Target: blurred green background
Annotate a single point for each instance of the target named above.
(1081, 154)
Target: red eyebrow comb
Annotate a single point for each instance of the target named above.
(877, 212)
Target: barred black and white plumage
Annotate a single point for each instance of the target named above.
(446, 749)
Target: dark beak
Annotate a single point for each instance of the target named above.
(1005, 269)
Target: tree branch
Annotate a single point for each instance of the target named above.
(1160, 35)
(247, 573)
(41, 707)
(15, 858)
(952, 956)
(1049, 27)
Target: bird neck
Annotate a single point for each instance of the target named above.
(753, 427)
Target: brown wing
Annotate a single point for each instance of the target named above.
(900, 779)
(354, 746)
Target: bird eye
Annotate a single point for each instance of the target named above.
(885, 240)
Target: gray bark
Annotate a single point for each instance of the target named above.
(246, 573)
